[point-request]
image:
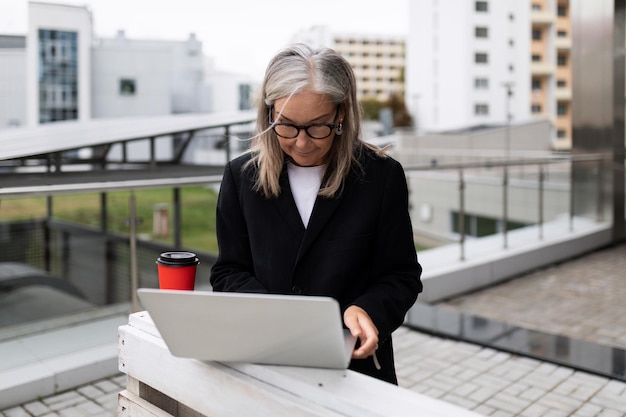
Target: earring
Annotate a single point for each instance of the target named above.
(339, 130)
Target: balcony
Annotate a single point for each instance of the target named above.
(563, 94)
(542, 17)
(563, 44)
(542, 69)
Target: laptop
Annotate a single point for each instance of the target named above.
(255, 328)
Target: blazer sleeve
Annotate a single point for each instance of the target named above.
(396, 271)
(233, 270)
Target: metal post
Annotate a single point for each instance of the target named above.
(134, 278)
(505, 183)
(540, 190)
(47, 235)
(104, 226)
(462, 214)
(600, 196)
(505, 204)
(571, 195)
(152, 153)
(227, 141)
(177, 218)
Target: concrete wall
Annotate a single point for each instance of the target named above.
(12, 86)
(434, 196)
(146, 66)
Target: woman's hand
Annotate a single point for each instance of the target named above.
(361, 325)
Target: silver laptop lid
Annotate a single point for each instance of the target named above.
(255, 328)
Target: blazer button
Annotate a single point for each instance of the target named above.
(296, 289)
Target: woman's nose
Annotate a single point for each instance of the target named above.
(302, 139)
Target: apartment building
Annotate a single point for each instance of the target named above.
(378, 60)
(490, 62)
(551, 71)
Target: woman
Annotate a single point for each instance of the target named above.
(315, 210)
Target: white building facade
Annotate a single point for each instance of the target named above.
(58, 63)
(12, 81)
(461, 55)
(60, 71)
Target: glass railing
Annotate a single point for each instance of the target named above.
(62, 247)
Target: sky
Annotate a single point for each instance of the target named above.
(240, 35)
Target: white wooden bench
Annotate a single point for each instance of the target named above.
(160, 385)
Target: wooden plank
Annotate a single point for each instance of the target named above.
(265, 390)
(130, 405)
(209, 388)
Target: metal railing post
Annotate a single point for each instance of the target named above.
(571, 197)
(540, 200)
(177, 218)
(600, 187)
(462, 214)
(227, 142)
(505, 204)
(134, 278)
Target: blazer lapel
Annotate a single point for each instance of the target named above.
(322, 212)
(287, 206)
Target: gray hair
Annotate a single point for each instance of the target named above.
(291, 71)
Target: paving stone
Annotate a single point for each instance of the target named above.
(559, 402)
(588, 410)
(16, 412)
(534, 410)
(484, 410)
(611, 413)
(36, 408)
(90, 391)
(62, 400)
(508, 403)
(107, 386)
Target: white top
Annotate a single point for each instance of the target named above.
(305, 183)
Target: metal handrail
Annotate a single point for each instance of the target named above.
(541, 163)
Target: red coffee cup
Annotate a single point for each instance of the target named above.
(177, 270)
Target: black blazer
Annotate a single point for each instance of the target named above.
(358, 248)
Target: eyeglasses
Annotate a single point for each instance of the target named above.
(314, 131)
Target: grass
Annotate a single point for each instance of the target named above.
(197, 213)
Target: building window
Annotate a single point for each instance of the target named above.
(481, 32)
(481, 83)
(561, 34)
(561, 11)
(561, 60)
(58, 75)
(245, 97)
(128, 87)
(536, 7)
(561, 83)
(561, 109)
(481, 109)
(480, 226)
(561, 134)
(482, 6)
(481, 58)
(537, 34)
(536, 58)
(535, 109)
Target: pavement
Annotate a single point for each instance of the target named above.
(582, 299)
